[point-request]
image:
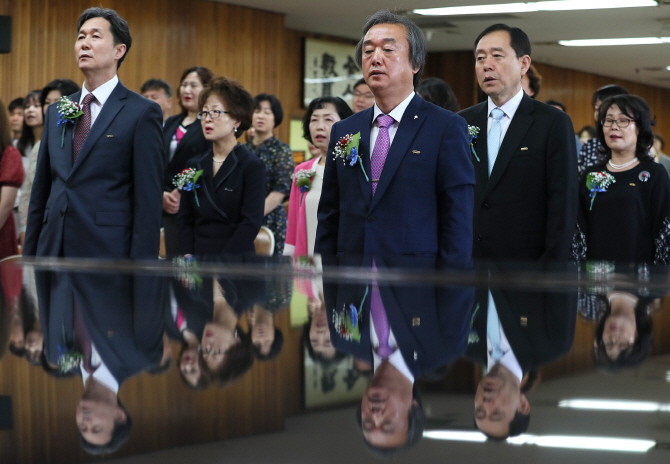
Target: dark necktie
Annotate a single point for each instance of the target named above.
(381, 149)
(83, 126)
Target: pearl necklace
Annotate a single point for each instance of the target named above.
(624, 165)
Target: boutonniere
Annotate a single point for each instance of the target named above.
(68, 358)
(346, 321)
(68, 111)
(473, 337)
(347, 149)
(598, 182)
(473, 131)
(185, 271)
(186, 180)
(303, 180)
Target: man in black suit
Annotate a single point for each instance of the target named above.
(524, 156)
(513, 333)
(97, 190)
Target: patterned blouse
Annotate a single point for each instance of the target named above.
(589, 155)
(278, 159)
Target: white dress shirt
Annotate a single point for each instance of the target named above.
(508, 360)
(101, 95)
(101, 373)
(395, 359)
(396, 114)
(509, 109)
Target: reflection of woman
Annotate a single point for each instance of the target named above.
(637, 203)
(278, 159)
(183, 139)
(321, 114)
(223, 215)
(438, 92)
(11, 176)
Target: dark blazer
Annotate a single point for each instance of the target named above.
(430, 324)
(108, 203)
(539, 325)
(423, 203)
(196, 313)
(191, 145)
(231, 205)
(121, 313)
(527, 209)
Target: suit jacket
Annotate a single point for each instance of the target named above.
(430, 324)
(527, 209)
(191, 145)
(231, 205)
(423, 202)
(108, 203)
(540, 326)
(121, 313)
(195, 312)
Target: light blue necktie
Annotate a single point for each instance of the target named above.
(493, 137)
(493, 330)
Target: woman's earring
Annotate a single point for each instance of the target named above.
(236, 130)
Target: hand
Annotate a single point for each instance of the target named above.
(170, 203)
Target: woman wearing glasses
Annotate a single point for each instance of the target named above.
(222, 212)
(625, 199)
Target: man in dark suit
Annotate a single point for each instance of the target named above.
(525, 162)
(513, 333)
(98, 183)
(411, 192)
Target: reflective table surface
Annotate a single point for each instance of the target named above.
(252, 359)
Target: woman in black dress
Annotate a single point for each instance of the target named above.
(183, 139)
(624, 201)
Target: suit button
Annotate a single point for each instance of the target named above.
(486, 206)
(479, 238)
(371, 219)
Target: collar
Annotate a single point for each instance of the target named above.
(103, 92)
(396, 361)
(508, 108)
(397, 112)
(102, 375)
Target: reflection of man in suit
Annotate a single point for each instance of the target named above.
(97, 188)
(525, 162)
(115, 322)
(513, 333)
(413, 192)
(404, 332)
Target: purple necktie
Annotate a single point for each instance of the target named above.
(379, 319)
(381, 150)
(83, 126)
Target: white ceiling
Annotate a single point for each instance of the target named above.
(345, 18)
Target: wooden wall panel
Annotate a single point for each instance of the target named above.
(458, 70)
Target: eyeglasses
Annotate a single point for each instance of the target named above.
(214, 114)
(621, 123)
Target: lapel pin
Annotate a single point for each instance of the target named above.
(416, 117)
(524, 148)
(416, 322)
(524, 321)
(416, 152)
(644, 176)
(632, 184)
(110, 136)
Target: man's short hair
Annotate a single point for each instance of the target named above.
(415, 39)
(16, 103)
(517, 38)
(117, 25)
(416, 423)
(120, 435)
(360, 81)
(157, 84)
(603, 93)
(556, 103)
(517, 426)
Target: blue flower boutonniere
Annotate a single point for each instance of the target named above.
(68, 111)
(346, 321)
(347, 149)
(68, 359)
(598, 182)
(186, 180)
(473, 132)
(303, 180)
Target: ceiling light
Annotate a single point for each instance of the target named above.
(614, 405)
(607, 42)
(529, 7)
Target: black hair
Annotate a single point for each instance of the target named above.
(637, 109)
(658, 136)
(120, 435)
(318, 358)
(205, 379)
(556, 103)
(360, 81)
(66, 87)
(236, 99)
(416, 423)
(603, 93)
(16, 103)
(161, 368)
(27, 136)
(534, 81)
(117, 26)
(157, 84)
(438, 92)
(518, 39)
(415, 39)
(641, 348)
(343, 111)
(518, 425)
(592, 131)
(275, 348)
(238, 360)
(275, 106)
(205, 76)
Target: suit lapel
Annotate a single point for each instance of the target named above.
(480, 145)
(226, 169)
(516, 131)
(365, 152)
(67, 139)
(107, 114)
(411, 121)
(207, 180)
(169, 131)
